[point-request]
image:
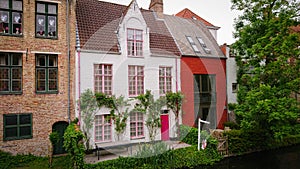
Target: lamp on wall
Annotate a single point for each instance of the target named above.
(26, 54)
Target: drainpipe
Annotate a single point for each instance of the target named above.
(176, 69)
(69, 62)
(79, 83)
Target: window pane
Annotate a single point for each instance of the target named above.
(17, 5)
(190, 39)
(40, 25)
(51, 25)
(4, 4)
(4, 16)
(3, 59)
(52, 9)
(139, 35)
(11, 132)
(40, 8)
(25, 118)
(16, 60)
(4, 73)
(25, 131)
(204, 83)
(11, 120)
(52, 61)
(130, 34)
(41, 80)
(41, 60)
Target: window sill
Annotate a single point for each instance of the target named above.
(48, 92)
(11, 93)
(137, 138)
(136, 57)
(46, 37)
(12, 35)
(17, 138)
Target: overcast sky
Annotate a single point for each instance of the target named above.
(217, 12)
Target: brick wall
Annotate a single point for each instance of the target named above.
(46, 109)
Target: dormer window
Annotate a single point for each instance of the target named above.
(134, 42)
(193, 44)
(206, 49)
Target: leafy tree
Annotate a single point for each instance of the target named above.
(88, 108)
(267, 52)
(152, 109)
(174, 102)
(119, 107)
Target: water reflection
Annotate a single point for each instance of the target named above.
(286, 158)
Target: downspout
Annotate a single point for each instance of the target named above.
(69, 62)
(79, 86)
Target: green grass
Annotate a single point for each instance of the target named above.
(8, 161)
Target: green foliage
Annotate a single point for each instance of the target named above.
(74, 146)
(267, 52)
(54, 138)
(180, 158)
(241, 142)
(88, 109)
(9, 161)
(267, 108)
(151, 149)
(189, 135)
(231, 125)
(232, 106)
(174, 102)
(152, 109)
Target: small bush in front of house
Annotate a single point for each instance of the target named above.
(189, 135)
(74, 145)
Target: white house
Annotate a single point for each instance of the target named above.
(124, 50)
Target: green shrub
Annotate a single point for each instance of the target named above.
(189, 135)
(74, 145)
(231, 125)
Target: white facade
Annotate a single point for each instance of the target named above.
(231, 70)
(120, 61)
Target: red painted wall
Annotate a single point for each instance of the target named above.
(196, 65)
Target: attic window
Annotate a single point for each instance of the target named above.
(206, 49)
(193, 44)
(193, 17)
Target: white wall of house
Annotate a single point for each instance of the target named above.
(231, 70)
(120, 62)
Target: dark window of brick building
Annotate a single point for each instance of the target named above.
(17, 126)
(11, 12)
(10, 73)
(46, 73)
(46, 20)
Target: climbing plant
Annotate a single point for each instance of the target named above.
(88, 109)
(174, 102)
(152, 108)
(119, 113)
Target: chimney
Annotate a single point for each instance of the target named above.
(158, 7)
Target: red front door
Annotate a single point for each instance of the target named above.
(164, 127)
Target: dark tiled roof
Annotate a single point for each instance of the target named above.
(98, 22)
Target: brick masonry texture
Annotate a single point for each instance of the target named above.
(46, 109)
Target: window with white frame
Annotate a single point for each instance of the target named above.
(10, 73)
(136, 125)
(206, 49)
(193, 44)
(11, 12)
(103, 130)
(136, 80)
(134, 42)
(103, 78)
(165, 80)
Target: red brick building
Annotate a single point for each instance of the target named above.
(36, 73)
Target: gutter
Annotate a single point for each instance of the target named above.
(69, 62)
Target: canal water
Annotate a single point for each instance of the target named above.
(284, 158)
